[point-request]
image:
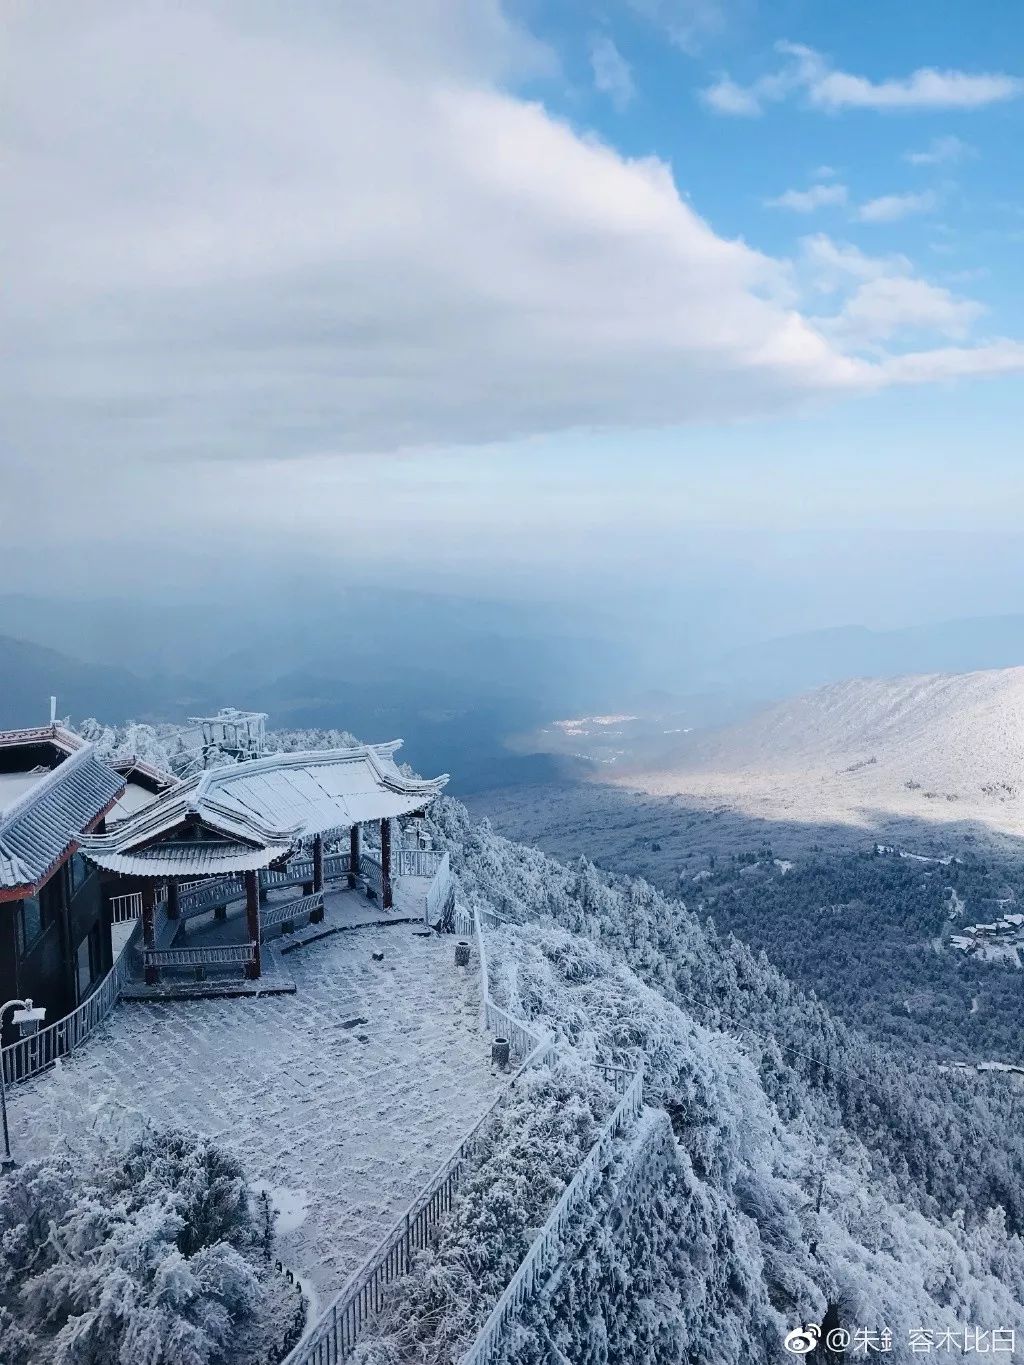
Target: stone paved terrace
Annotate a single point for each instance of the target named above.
(343, 1124)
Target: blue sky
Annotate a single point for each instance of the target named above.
(562, 298)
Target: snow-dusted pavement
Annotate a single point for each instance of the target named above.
(342, 1121)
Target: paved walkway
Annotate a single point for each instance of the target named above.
(342, 1098)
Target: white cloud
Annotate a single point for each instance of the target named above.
(890, 306)
(940, 151)
(808, 73)
(726, 97)
(923, 89)
(251, 232)
(890, 208)
(830, 264)
(806, 201)
(880, 298)
(1001, 356)
(687, 23)
(612, 74)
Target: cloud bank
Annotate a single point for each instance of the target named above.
(259, 232)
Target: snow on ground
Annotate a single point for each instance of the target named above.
(341, 1099)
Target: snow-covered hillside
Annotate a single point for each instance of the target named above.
(934, 748)
(807, 1172)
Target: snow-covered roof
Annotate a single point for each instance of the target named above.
(62, 740)
(41, 823)
(251, 814)
(145, 782)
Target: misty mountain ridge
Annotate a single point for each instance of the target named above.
(937, 748)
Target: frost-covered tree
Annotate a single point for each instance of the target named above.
(146, 1256)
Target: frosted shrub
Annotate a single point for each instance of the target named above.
(137, 1258)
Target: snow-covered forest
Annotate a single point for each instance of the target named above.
(811, 1170)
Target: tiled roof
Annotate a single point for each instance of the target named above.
(269, 804)
(200, 859)
(39, 827)
(131, 765)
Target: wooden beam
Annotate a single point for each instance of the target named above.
(252, 921)
(149, 926)
(386, 899)
(318, 862)
(353, 855)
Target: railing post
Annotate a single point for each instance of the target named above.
(386, 899)
(353, 855)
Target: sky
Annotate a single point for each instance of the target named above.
(706, 312)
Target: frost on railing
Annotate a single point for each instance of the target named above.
(289, 911)
(33, 1054)
(227, 955)
(544, 1254)
(441, 892)
(417, 862)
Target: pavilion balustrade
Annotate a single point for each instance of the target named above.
(372, 874)
(159, 960)
(290, 911)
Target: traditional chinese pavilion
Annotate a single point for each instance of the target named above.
(238, 829)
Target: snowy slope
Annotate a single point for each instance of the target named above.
(938, 748)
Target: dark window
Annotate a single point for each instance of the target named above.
(51, 900)
(88, 962)
(80, 872)
(29, 923)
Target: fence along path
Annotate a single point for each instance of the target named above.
(27, 1056)
(333, 1338)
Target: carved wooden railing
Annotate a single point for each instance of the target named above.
(273, 915)
(210, 894)
(227, 955)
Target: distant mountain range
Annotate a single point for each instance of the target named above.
(934, 748)
(793, 663)
(30, 674)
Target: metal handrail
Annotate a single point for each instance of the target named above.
(542, 1255)
(28, 1056)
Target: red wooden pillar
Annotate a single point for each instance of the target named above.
(318, 863)
(353, 855)
(385, 864)
(252, 921)
(173, 908)
(149, 927)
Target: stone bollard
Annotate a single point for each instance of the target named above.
(462, 953)
(500, 1053)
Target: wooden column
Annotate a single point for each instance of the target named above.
(173, 908)
(353, 855)
(318, 863)
(149, 926)
(252, 921)
(385, 864)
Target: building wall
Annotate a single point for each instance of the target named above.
(41, 942)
